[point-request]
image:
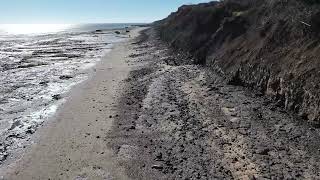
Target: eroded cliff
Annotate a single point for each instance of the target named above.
(272, 46)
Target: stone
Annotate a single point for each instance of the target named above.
(57, 97)
(65, 77)
(158, 167)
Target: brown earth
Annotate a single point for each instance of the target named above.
(177, 120)
(272, 46)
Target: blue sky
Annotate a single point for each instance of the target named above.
(87, 11)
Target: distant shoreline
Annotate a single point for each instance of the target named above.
(37, 29)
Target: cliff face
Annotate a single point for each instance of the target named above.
(269, 45)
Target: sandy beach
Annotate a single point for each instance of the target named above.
(148, 112)
(72, 145)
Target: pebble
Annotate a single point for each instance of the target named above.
(158, 167)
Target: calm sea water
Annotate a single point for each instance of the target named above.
(36, 69)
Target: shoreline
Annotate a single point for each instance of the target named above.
(160, 116)
(35, 93)
(83, 119)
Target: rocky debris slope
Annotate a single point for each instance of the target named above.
(272, 46)
(177, 120)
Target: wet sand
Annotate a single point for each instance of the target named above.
(73, 146)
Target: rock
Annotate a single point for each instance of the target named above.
(65, 77)
(57, 97)
(131, 127)
(213, 89)
(3, 156)
(159, 156)
(31, 65)
(30, 131)
(44, 82)
(263, 151)
(158, 167)
(13, 126)
(234, 114)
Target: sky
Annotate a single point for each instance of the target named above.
(87, 11)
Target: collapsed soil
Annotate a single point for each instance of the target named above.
(176, 120)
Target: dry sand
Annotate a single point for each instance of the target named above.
(73, 146)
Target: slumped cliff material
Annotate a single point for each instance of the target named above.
(272, 46)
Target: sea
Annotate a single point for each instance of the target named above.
(39, 64)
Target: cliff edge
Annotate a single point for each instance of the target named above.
(272, 46)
